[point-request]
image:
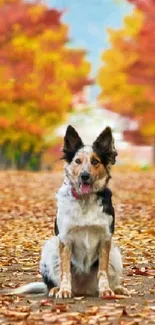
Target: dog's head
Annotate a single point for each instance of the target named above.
(88, 167)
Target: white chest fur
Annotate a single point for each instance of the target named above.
(83, 225)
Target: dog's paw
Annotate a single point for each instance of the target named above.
(63, 293)
(53, 292)
(60, 293)
(106, 293)
(121, 291)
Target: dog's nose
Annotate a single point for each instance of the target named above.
(85, 176)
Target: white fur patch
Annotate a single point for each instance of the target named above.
(83, 225)
(103, 282)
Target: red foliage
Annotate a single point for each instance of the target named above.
(145, 6)
(142, 71)
(18, 13)
(4, 123)
(135, 137)
(18, 18)
(31, 128)
(77, 85)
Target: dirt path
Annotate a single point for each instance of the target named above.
(27, 208)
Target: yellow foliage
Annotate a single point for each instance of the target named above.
(133, 23)
(37, 76)
(131, 28)
(36, 12)
(22, 43)
(118, 92)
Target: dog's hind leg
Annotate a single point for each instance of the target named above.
(55, 268)
(115, 270)
(49, 264)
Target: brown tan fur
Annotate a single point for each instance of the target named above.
(65, 274)
(85, 162)
(103, 285)
(98, 171)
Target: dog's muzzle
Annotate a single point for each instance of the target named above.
(85, 182)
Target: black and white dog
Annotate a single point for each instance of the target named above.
(81, 259)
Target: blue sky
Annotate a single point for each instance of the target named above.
(89, 20)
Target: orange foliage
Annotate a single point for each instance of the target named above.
(128, 75)
(39, 74)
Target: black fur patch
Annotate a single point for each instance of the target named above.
(104, 147)
(48, 282)
(106, 157)
(56, 230)
(46, 279)
(106, 197)
(72, 143)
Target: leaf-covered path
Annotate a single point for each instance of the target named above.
(27, 210)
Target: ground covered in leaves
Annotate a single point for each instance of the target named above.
(27, 211)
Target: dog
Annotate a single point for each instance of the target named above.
(82, 259)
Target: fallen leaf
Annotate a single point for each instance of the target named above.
(79, 298)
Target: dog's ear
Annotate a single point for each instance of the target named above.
(105, 148)
(72, 143)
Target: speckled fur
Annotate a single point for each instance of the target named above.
(83, 225)
(82, 258)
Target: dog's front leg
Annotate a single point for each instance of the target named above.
(103, 283)
(65, 273)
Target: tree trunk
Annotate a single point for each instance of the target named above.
(23, 161)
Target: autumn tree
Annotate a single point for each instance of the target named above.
(39, 76)
(128, 74)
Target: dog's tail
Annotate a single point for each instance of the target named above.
(33, 287)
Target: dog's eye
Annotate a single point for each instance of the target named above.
(95, 162)
(78, 161)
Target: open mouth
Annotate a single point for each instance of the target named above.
(85, 188)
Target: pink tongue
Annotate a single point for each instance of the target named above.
(85, 188)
